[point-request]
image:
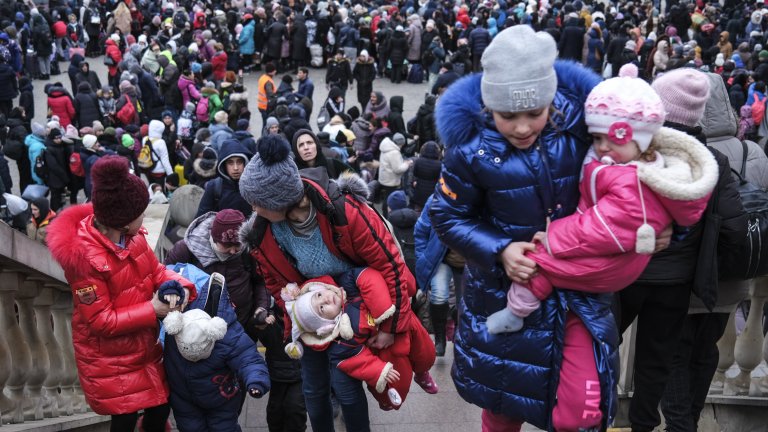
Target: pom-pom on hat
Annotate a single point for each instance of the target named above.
(195, 332)
(226, 226)
(625, 108)
(684, 93)
(271, 179)
(118, 196)
(512, 86)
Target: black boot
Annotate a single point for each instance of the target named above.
(439, 314)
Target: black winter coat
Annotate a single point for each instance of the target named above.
(9, 86)
(425, 123)
(398, 48)
(274, 36)
(86, 106)
(299, 40)
(572, 40)
(57, 161)
(426, 173)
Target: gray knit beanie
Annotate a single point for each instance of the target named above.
(509, 85)
(271, 179)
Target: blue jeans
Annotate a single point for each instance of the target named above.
(440, 285)
(318, 377)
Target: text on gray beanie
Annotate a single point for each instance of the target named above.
(518, 70)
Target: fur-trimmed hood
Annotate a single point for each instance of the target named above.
(205, 173)
(689, 171)
(66, 246)
(460, 115)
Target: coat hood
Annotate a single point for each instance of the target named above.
(198, 241)
(156, 129)
(387, 145)
(231, 148)
(459, 115)
(689, 171)
(396, 104)
(719, 119)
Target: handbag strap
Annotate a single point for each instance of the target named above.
(743, 172)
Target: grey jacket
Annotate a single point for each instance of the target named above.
(720, 124)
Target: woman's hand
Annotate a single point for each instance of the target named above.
(161, 309)
(517, 267)
(381, 340)
(663, 239)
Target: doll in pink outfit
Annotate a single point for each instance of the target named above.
(636, 180)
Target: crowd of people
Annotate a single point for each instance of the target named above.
(555, 184)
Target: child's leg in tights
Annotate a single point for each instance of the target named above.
(578, 394)
(498, 423)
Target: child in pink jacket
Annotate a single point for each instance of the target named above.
(637, 179)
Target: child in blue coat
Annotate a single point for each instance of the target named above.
(210, 359)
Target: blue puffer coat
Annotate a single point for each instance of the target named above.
(491, 194)
(430, 251)
(207, 395)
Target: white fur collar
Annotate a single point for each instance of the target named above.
(689, 171)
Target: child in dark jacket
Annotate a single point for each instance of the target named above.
(340, 318)
(210, 359)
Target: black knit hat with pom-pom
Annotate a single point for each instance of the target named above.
(271, 179)
(118, 196)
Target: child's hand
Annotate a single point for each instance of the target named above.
(541, 237)
(171, 299)
(392, 376)
(270, 320)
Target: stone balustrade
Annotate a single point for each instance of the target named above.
(38, 376)
(747, 350)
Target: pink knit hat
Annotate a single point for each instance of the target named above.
(625, 108)
(684, 93)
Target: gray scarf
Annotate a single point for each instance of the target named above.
(304, 229)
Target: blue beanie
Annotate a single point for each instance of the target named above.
(271, 179)
(397, 200)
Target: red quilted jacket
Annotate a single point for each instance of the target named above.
(114, 327)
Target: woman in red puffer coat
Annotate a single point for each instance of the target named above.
(114, 276)
(60, 104)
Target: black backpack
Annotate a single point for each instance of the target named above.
(751, 260)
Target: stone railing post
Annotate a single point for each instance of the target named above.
(725, 346)
(62, 331)
(21, 358)
(6, 404)
(43, 304)
(749, 344)
(38, 371)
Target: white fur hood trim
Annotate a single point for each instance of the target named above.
(689, 171)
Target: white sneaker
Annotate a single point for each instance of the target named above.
(394, 397)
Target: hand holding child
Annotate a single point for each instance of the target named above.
(518, 268)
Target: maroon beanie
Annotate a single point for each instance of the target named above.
(118, 196)
(226, 227)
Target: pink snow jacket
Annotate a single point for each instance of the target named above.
(594, 249)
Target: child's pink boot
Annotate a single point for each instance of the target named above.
(425, 381)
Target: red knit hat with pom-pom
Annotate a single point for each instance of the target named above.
(118, 196)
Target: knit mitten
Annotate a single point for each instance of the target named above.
(504, 321)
